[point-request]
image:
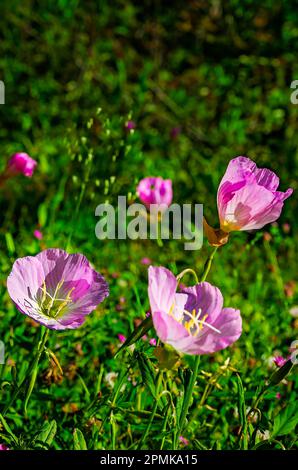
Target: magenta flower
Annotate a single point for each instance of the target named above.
(38, 234)
(183, 441)
(155, 190)
(146, 261)
(130, 125)
(152, 342)
(21, 163)
(4, 447)
(56, 289)
(122, 338)
(193, 320)
(247, 197)
(279, 361)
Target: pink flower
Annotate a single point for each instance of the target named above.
(278, 396)
(146, 261)
(155, 190)
(183, 441)
(279, 361)
(4, 447)
(122, 338)
(247, 197)
(152, 342)
(56, 289)
(38, 234)
(192, 321)
(22, 163)
(130, 125)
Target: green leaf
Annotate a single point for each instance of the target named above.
(47, 432)
(286, 421)
(281, 373)
(147, 371)
(9, 243)
(79, 440)
(140, 331)
(242, 411)
(7, 428)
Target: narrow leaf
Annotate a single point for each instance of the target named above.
(79, 440)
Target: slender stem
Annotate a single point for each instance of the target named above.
(40, 349)
(192, 382)
(80, 199)
(187, 400)
(208, 264)
(144, 437)
(33, 366)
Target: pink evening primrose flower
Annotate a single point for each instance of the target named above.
(21, 163)
(155, 190)
(122, 338)
(192, 321)
(3, 447)
(56, 289)
(247, 197)
(38, 234)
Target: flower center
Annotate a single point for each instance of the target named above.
(192, 322)
(52, 305)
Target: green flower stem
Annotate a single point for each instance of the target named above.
(208, 264)
(193, 379)
(40, 349)
(80, 199)
(32, 372)
(144, 437)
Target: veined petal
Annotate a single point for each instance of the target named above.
(207, 298)
(171, 332)
(162, 286)
(229, 323)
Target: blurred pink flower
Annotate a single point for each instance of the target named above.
(155, 190)
(152, 342)
(122, 338)
(21, 163)
(56, 289)
(130, 125)
(279, 361)
(183, 441)
(38, 234)
(4, 447)
(278, 395)
(192, 321)
(247, 197)
(146, 261)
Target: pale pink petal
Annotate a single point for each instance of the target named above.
(206, 297)
(171, 332)
(162, 286)
(229, 323)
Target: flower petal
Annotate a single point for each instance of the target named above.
(24, 280)
(171, 332)
(229, 323)
(162, 286)
(206, 297)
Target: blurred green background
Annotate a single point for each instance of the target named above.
(203, 81)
